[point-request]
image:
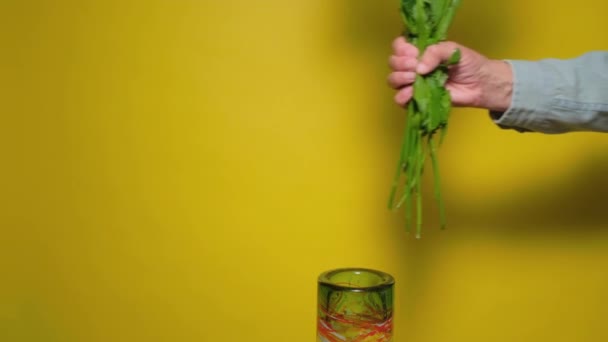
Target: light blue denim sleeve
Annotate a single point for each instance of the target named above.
(557, 96)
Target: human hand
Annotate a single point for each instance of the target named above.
(475, 81)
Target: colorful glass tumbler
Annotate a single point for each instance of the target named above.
(355, 305)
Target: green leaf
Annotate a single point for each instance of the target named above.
(422, 94)
(424, 31)
(437, 9)
(455, 57)
(407, 13)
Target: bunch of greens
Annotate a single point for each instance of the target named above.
(427, 23)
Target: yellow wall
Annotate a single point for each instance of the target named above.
(181, 170)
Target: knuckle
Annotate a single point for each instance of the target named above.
(433, 49)
(397, 44)
(392, 62)
(448, 45)
(398, 99)
(403, 96)
(408, 77)
(410, 64)
(401, 77)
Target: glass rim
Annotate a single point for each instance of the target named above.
(386, 280)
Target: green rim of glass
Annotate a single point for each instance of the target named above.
(370, 280)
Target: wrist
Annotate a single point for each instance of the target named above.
(496, 86)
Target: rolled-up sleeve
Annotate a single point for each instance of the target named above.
(557, 96)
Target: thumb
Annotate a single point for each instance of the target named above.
(435, 55)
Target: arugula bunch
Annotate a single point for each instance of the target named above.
(427, 23)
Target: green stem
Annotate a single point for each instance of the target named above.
(438, 196)
(400, 166)
(411, 174)
(420, 165)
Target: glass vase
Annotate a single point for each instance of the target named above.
(355, 305)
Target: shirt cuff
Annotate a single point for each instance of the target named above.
(533, 91)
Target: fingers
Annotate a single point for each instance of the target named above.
(404, 95)
(400, 79)
(402, 48)
(401, 63)
(435, 55)
(406, 64)
(404, 56)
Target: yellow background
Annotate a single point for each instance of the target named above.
(182, 170)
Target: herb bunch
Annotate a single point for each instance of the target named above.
(427, 23)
